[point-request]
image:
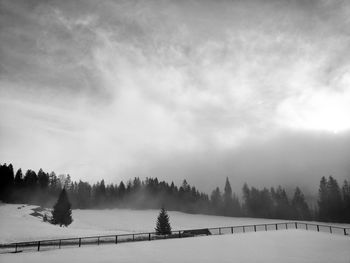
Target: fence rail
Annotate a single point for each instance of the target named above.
(40, 245)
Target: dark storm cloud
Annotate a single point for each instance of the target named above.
(41, 50)
(288, 158)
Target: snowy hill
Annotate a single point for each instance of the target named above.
(16, 223)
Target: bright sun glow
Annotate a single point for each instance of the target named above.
(322, 111)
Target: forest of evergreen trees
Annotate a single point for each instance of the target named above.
(43, 188)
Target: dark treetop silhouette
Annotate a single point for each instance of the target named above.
(43, 188)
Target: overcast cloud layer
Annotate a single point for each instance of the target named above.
(254, 90)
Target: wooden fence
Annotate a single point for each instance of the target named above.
(40, 245)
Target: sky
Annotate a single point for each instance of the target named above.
(256, 91)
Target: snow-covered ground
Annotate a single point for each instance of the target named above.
(16, 223)
(270, 247)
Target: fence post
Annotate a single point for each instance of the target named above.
(179, 234)
(149, 236)
(98, 241)
(330, 229)
(306, 226)
(276, 227)
(344, 231)
(38, 245)
(296, 225)
(318, 228)
(286, 225)
(265, 227)
(116, 239)
(254, 228)
(231, 230)
(59, 243)
(79, 242)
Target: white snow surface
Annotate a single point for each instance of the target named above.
(270, 247)
(18, 225)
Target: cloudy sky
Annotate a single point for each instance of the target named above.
(254, 90)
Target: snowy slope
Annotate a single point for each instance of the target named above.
(288, 246)
(144, 220)
(18, 225)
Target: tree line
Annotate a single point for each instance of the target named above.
(43, 188)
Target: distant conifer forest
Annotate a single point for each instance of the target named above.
(42, 188)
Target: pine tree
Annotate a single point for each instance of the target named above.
(300, 207)
(227, 196)
(335, 199)
(43, 179)
(121, 191)
(330, 202)
(19, 179)
(30, 180)
(163, 225)
(216, 200)
(6, 182)
(62, 213)
(83, 195)
(231, 202)
(281, 203)
(346, 201)
(323, 206)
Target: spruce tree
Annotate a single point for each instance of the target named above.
(335, 199)
(227, 198)
(19, 179)
(323, 205)
(300, 207)
(346, 201)
(6, 182)
(281, 203)
(216, 200)
(62, 213)
(163, 226)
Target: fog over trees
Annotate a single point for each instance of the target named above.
(43, 188)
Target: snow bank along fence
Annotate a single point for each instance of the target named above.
(99, 240)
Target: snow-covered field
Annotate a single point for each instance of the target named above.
(18, 225)
(270, 247)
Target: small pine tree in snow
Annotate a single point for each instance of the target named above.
(163, 226)
(62, 213)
